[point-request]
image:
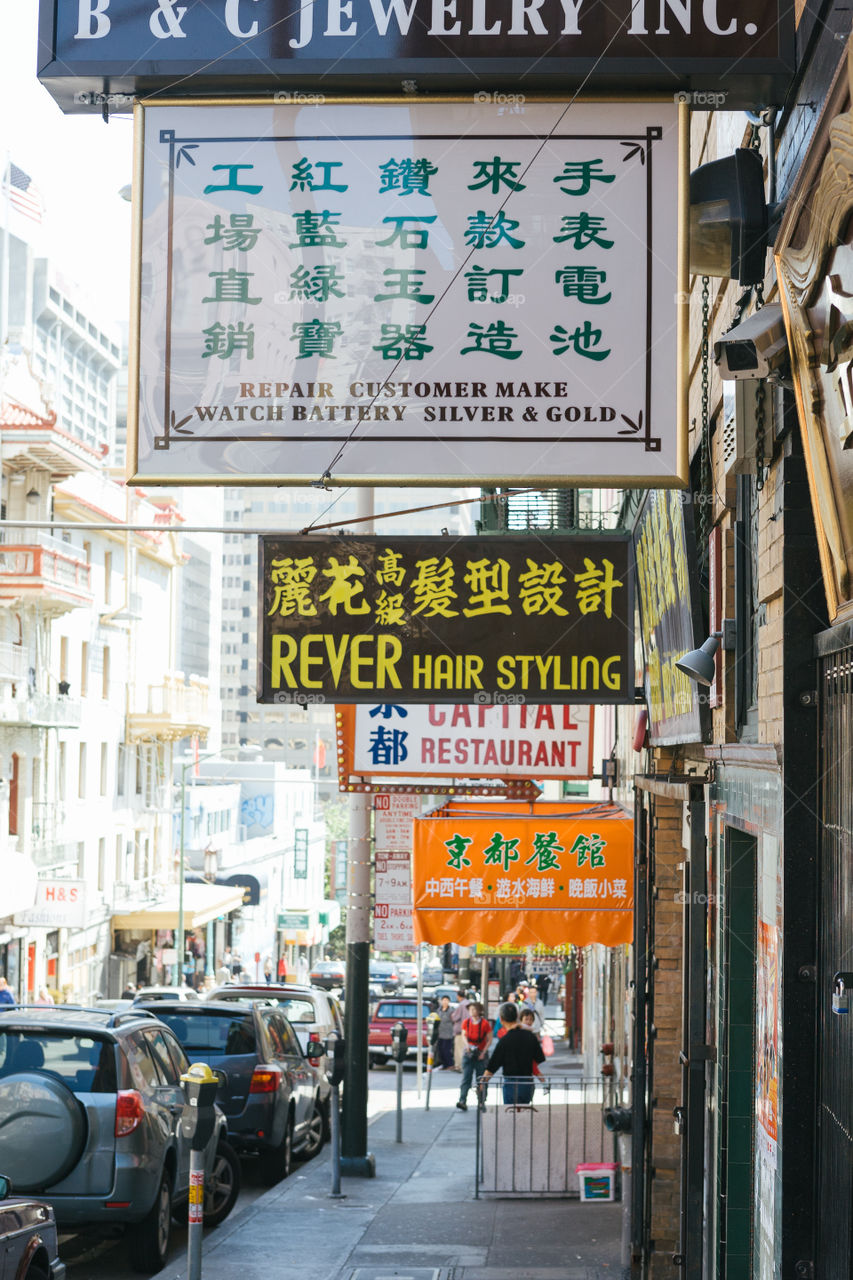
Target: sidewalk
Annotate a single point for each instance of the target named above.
(417, 1219)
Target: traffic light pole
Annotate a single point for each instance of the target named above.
(356, 1161)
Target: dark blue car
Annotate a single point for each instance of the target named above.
(270, 1092)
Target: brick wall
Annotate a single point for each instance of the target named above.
(666, 982)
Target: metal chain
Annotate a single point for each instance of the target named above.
(760, 421)
(705, 464)
(760, 390)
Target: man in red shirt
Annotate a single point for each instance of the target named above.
(478, 1036)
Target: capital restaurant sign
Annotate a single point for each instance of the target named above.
(461, 619)
(96, 53)
(503, 740)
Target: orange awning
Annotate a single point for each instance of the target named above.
(546, 875)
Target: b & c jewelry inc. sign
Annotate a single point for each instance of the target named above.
(97, 53)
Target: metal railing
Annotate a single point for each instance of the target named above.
(533, 1149)
(46, 561)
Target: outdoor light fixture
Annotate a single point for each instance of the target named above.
(699, 664)
(729, 218)
(33, 495)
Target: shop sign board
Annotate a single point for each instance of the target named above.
(391, 293)
(670, 618)
(510, 620)
(60, 904)
(560, 876)
(96, 54)
(474, 741)
(294, 920)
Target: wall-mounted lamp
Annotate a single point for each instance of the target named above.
(729, 218)
(699, 664)
(33, 496)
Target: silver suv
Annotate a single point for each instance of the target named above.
(90, 1104)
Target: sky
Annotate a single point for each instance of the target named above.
(79, 164)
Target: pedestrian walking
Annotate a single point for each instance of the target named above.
(6, 996)
(459, 1013)
(268, 970)
(45, 999)
(477, 1034)
(515, 1055)
(532, 1001)
(444, 1040)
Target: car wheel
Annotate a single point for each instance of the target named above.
(376, 1059)
(275, 1163)
(222, 1188)
(149, 1239)
(36, 1272)
(313, 1134)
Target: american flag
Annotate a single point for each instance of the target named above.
(24, 195)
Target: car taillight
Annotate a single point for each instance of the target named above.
(265, 1080)
(130, 1110)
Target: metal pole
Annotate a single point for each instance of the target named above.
(356, 1161)
(419, 1048)
(179, 941)
(196, 1213)
(399, 1135)
(335, 1118)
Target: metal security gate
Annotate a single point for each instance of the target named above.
(835, 952)
(534, 1150)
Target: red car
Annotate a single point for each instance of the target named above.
(389, 1011)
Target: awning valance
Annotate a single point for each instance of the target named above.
(202, 902)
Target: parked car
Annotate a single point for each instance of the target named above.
(408, 973)
(313, 1014)
(275, 1101)
(387, 1013)
(165, 993)
(432, 975)
(90, 1103)
(385, 974)
(28, 1247)
(328, 974)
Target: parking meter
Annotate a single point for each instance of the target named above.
(399, 1041)
(198, 1116)
(335, 1059)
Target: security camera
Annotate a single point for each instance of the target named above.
(756, 348)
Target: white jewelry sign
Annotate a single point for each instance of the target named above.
(410, 292)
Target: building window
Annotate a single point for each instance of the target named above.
(81, 860)
(81, 776)
(108, 575)
(121, 768)
(61, 768)
(300, 853)
(103, 769)
(105, 674)
(84, 669)
(102, 863)
(63, 658)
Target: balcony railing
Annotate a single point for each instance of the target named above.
(39, 710)
(170, 710)
(45, 569)
(13, 662)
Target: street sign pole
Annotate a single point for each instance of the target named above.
(355, 1159)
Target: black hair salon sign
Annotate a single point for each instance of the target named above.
(96, 53)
